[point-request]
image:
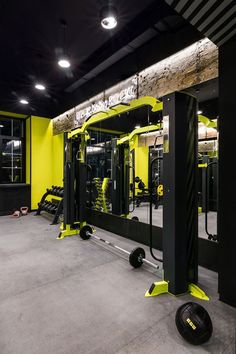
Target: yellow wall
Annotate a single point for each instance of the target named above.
(41, 158)
(44, 155)
(141, 163)
(46, 158)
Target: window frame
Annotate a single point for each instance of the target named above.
(22, 138)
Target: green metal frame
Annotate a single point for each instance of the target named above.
(155, 104)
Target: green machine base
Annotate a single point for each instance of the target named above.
(161, 287)
(70, 231)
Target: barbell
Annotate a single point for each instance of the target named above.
(136, 256)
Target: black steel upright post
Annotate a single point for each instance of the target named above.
(81, 174)
(227, 174)
(69, 177)
(120, 178)
(180, 204)
(116, 177)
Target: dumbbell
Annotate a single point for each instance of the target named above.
(61, 192)
(53, 189)
(51, 207)
(57, 191)
(141, 186)
(46, 205)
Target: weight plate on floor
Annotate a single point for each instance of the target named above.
(136, 256)
(85, 232)
(135, 218)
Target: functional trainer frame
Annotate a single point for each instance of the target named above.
(180, 206)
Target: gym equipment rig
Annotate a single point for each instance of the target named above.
(180, 202)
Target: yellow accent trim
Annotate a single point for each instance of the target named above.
(68, 231)
(191, 324)
(13, 115)
(104, 190)
(202, 165)
(158, 107)
(160, 287)
(146, 129)
(119, 109)
(160, 190)
(199, 210)
(115, 132)
(197, 292)
(208, 123)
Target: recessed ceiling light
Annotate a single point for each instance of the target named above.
(64, 63)
(1, 126)
(39, 86)
(199, 112)
(24, 101)
(137, 126)
(108, 17)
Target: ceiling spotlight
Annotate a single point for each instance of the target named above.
(137, 126)
(24, 101)
(39, 86)
(199, 112)
(108, 17)
(64, 63)
(1, 126)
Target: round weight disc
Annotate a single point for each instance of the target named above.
(160, 190)
(85, 231)
(135, 218)
(135, 257)
(193, 323)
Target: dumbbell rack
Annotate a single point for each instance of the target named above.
(101, 202)
(49, 207)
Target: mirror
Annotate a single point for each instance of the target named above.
(207, 95)
(118, 159)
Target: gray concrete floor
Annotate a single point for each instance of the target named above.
(142, 213)
(72, 296)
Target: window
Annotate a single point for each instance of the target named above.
(12, 147)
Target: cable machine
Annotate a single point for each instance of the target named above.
(180, 201)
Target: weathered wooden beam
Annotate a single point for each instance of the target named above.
(191, 66)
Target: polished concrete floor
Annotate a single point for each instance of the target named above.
(142, 212)
(71, 296)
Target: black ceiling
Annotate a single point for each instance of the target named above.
(214, 18)
(32, 39)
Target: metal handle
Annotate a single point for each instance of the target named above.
(133, 189)
(89, 167)
(150, 208)
(210, 236)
